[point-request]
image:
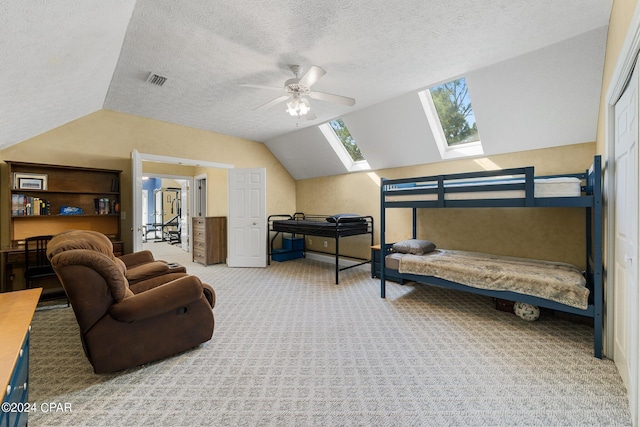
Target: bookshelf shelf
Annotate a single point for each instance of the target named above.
(93, 191)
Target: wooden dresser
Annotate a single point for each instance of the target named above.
(16, 312)
(210, 239)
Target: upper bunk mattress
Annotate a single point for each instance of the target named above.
(555, 281)
(543, 187)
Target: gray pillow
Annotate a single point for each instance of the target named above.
(414, 247)
(345, 218)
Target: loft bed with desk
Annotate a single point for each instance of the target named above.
(553, 285)
(333, 227)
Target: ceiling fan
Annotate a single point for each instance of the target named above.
(298, 89)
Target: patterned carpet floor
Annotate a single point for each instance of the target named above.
(290, 348)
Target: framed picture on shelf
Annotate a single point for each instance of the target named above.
(29, 181)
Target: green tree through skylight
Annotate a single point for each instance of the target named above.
(454, 110)
(347, 140)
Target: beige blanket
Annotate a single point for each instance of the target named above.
(553, 281)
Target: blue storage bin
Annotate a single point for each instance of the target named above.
(285, 254)
(293, 243)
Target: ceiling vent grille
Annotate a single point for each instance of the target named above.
(156, 80)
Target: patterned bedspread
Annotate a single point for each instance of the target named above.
(560, 282)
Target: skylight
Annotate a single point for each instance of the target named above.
(451, 118)
(344, 145)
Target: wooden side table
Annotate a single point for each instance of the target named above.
(376, 265)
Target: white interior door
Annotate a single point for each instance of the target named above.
(626, 295)
(145, 206)
(184, 216)
(247, 235)
(200, 195)
(158, 209)
(136, 220)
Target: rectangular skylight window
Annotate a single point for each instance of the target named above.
(451, 119)
(453, 106)
(346, 139)
(344, 145)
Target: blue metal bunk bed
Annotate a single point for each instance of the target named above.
(494, 189)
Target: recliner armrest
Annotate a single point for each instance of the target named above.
(154, 282)
(162, 299)
(136, 258)
(146, 271)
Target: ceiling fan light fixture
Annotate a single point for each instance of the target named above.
(303, 108)
(298, 89)
(296, 107)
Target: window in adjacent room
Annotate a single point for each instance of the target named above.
(451, 118)
(344, 145)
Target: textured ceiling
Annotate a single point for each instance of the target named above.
(61, 60)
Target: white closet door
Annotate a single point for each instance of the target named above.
(625, 262)
(247, 236)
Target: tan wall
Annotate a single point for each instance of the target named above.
(105, 139)
(621, 14)
(554, 234)
(218, 190)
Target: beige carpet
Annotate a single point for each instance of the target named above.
(290, 348)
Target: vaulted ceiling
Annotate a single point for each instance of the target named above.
(534, 69)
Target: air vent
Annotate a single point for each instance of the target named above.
(155, 79)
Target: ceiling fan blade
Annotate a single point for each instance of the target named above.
(312, 76)
(261, 87)
(338, 99)
(272, 102)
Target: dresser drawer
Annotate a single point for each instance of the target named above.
(199, 234)
(199, 256)
(16, 392)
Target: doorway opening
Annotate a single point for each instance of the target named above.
(165, 211)
(157, 166)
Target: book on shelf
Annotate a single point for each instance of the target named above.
(23, 205)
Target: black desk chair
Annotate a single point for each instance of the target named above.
(36, 264)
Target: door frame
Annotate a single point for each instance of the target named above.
(620, 77)
(136, 183)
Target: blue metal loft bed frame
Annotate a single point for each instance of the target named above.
(439, 186)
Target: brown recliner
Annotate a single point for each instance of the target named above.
(122, 326)
(139, 265)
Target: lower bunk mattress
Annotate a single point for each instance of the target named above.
(554, 281)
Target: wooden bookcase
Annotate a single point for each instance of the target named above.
(95, 191)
